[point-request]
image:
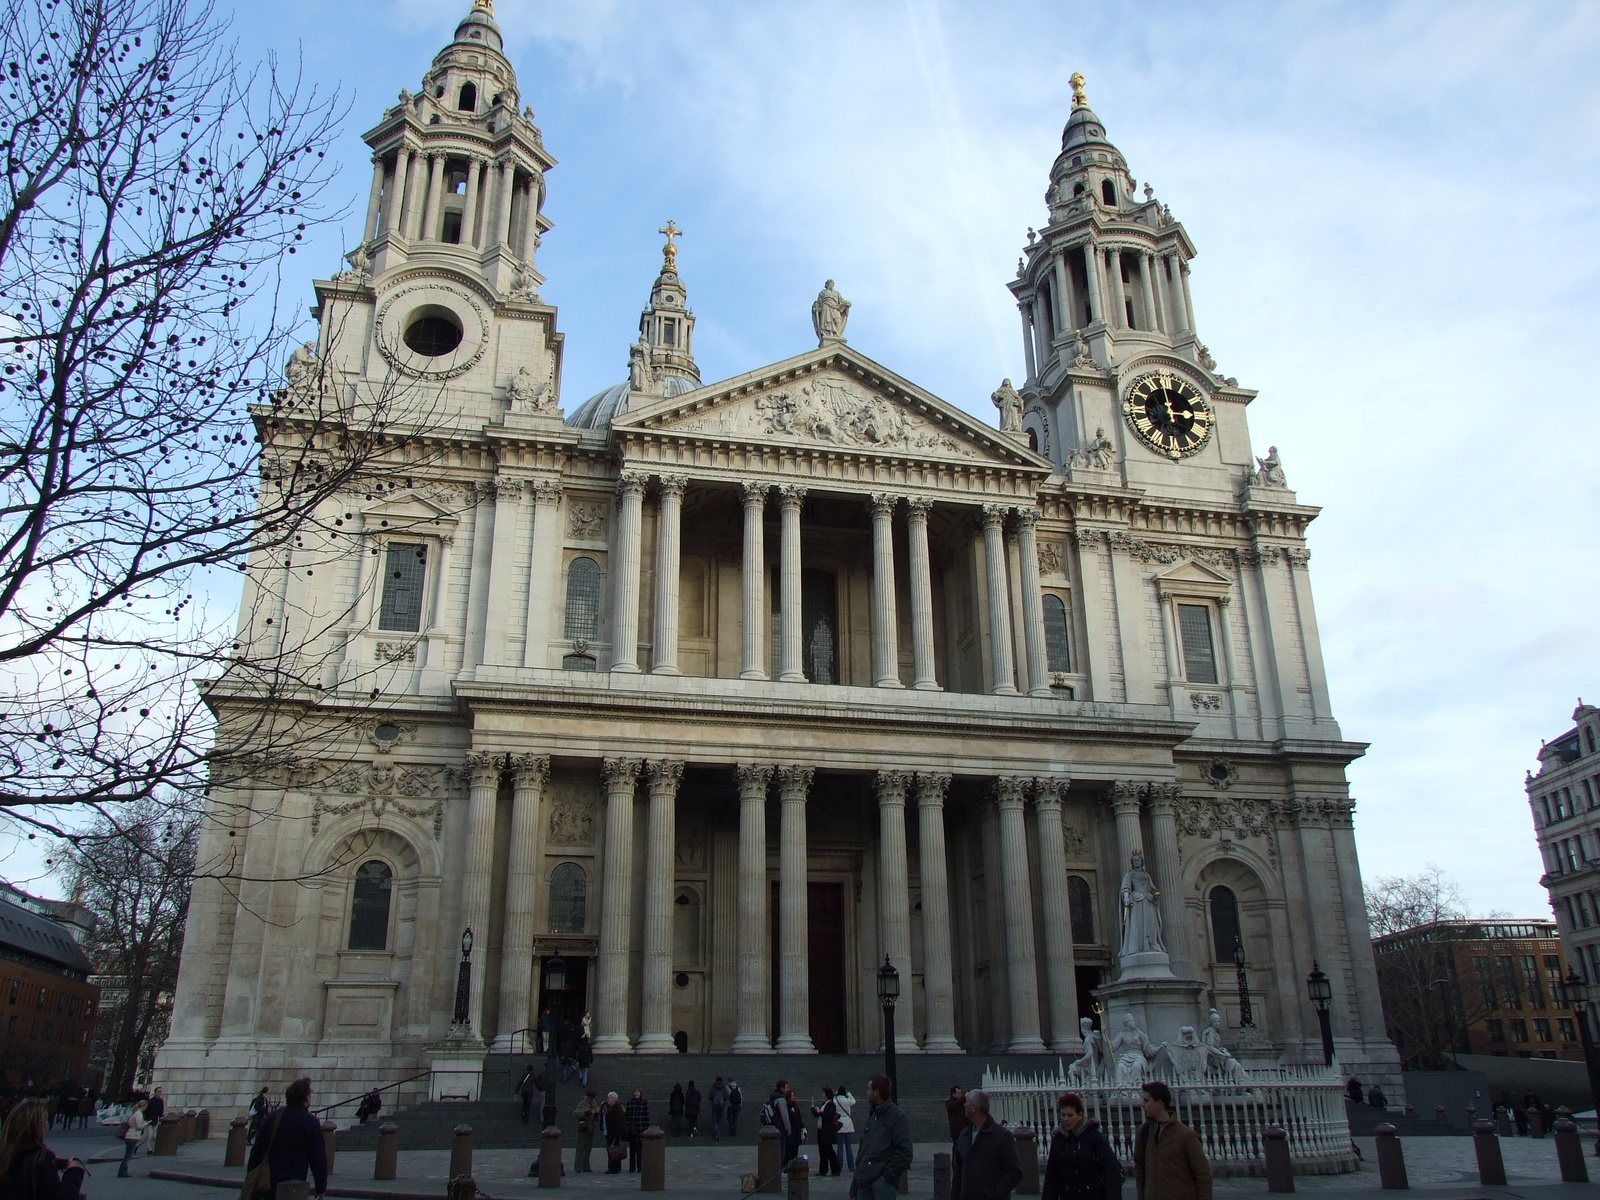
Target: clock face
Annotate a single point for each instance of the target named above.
(1169, 414)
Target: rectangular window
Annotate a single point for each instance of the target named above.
(1568, 1028)
(1508, 982)
(1544, 803)
(1588, 795)
(16, 986)
(1480, 968)
(43, 995)
(33, 1029)
(404, 567)
(1199, 657)
(669, 333)
(1519, 1030)
(1497, 1031)
(1541, 1029)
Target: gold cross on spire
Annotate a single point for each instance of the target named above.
(670, 251)
(1079, 100)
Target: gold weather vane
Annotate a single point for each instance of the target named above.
(670, 251)
(1079, 100)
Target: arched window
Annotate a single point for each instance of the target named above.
(583, 600)
(1058, 651)
(569, 892)
(1033, 440)
(1108, 192)
(1224, 923)
(369, 908)
(469, 98)
(1080, 903)
(1077, 188)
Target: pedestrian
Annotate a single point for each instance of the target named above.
(567, 1044)
(27, 1167)
(588, 1114)
(547, 1032)
(885, 1146)
(154, 1111)
(614, 1124)
(827, 1115)
(371, 1106)
(133, 1136)
(735, 1103)
(776, 1114)
(1519, 1114)
(638, 1122)
(955, 1112)
(719, 1105)
(1082, 1165)
(1168, 1163)
(258, 1113)
(691, 1108)
(1376, 1098)
(844, 1102)
(529, 1086)
(292, 1143)
(586, 1026)
(1354, 1090)
(983, 1162)
(797, 1123)
(675, 1111)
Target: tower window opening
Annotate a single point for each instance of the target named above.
(1033, 441)
(1077, 188)
(583, 600)
(469, 98)
(369, 907)
(1077, 161)
(433, 335)
(669, 333)
(1108, 192)
(452, 228)
(1129, 305)
(1225, 930)
(1049, 311)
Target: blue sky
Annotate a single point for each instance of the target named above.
(1395, 212)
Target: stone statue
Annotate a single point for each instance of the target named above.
(1080, 350)
(1188, 1057)
(829, 313)
(640, 377)
(1009, 403)
(1091, 1068)
(1141, 920)
(528, 394)
(1096, 454)
(301, 369)
(522, 286)
(1131, 1052)
(1218, 1057)
(1269, 470)
(1204, 355)
(360, 266)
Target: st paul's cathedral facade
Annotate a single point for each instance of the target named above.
(727, 692)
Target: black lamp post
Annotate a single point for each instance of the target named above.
(1574, 993)
(1246, 1017)
(555, 983)
(463, 1013)
(1321, 993)
(888, 993)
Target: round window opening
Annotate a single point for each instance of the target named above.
(433, 334)
(387, 733)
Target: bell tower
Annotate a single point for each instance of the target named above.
(666, 327)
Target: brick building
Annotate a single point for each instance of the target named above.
(47, 1004)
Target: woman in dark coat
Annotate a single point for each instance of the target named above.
(27, 1168)
(1082, 1165)
(827, 1115)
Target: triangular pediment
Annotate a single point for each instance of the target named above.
(1193, 578)
(833, 399)
(406, 513)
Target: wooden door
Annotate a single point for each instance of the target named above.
(825, 919)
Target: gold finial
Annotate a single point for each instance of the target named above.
(485, 5)
(1079, 100)
(669, 252)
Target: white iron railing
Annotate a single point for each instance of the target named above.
(1307, 1101)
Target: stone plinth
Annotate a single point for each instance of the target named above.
(1160, 1006)
(457, 1066)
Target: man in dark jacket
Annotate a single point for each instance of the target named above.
(984, 1164)
(529, 1086)
(777, 1114)
(955, 1111)
(1168, 1162)
(691, 1108)
(291, 1141)
(1082, 1165)
(885, 1152)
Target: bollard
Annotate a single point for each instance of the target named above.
(167, 1135)
(653, 1161)
(1472, 1116)
(799, 1178)
(292, 1189)
(1502, 1123)
(1569, 1153)
(941, 1175)
(1491, 1167)
(330, 1139)
(1411, 1110)
(202, 1124)
(237, 1152)
(388, 1160)
(1439, 1115)
(1028, 1156)
(461, 1154)
(550, 1158)
(1391, 1159)
(1535, 1122)
(769, 1160)
(462, 1187)
(186, 1126)
(1275, 1149)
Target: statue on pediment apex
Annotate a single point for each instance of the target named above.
(829, 312)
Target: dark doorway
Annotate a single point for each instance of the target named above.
(825, 966)
(1088, 978)
(574, 999)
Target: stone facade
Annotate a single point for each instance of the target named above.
(728, 692)
(1565, 799)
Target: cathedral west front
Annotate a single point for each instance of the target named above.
(728, 692)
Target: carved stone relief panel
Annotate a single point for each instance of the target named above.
(572, 812)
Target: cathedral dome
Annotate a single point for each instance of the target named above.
(600, 409)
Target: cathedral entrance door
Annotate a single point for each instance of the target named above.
(575, 999)
(825, 920)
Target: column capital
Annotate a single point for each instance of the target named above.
(883, 503)
(1163, 796)
(1027, 516)
(791, 495)
(794, 782)
(1125, 795)
(503, 489)
(674, 485)
(545, 491)
(918, 507)
(892, 787)
(531, 770)
(755, 493)
(620, 774)
(931, 790)
(994, 515)
(483, 768)
(752, 779)
(632, 481)
(664, 776)
(1048, 791)
(1011, 792)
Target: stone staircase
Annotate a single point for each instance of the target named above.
(1364, 1122)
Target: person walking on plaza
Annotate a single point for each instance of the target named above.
(27, 1167)
(691, 1108)
(614, 1125)
(1082, 1165)
(292, 1143)
(588, 1114)
(585, 1058)
(735, 1103)
(797, 1123)
(955, 1112)
(258, 1113)
(827, 1115)
(675, 1111)
(1168, 1162)
(638, 1122)
(134, 1136)
(776, 1114)
(844, 1102)
(719, 1105)
(886, 1147)
(529, 1086)
(983, 1163)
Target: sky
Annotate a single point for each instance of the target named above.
(1394, 206)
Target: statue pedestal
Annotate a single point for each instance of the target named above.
(1253, 1050)
(1160, 1006)
(457, 1066)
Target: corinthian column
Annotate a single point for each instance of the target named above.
(1119, 295)
(1169, 875)
(1032, 602)
(894, 894)
(469, 213)
(921, 595)
(394, 211)
(625, 610)
(667, 543)
(529, 772)
(885, 625)
(430, 214)
(655, 1033)
(938, 982)
(502, 223)
(374, 198)
(755, 590)
(994, 562)
(1059, 966)
(544, 572)
(794, 972)
(791, 622)
(483, 787)
(1023, 973)
(616, 908)
(755, 965)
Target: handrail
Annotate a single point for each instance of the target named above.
(369, 1091)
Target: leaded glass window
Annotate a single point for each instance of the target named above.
(569, 889)
(1225, 933)
(583, 600)
(1058, 651)
(369, 909)
(1199, 655)
(404, 568)
(1080, 904)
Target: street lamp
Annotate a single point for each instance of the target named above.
(1246, 1017)
(463, 1015)
(1574, 993)
(555, 983)
(888, 993)
(1321, 992)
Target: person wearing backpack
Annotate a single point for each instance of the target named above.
(735, 1103)
(776, 1113)
(719, 1104)
(827, 1115)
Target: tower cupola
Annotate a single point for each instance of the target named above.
(666, 327)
